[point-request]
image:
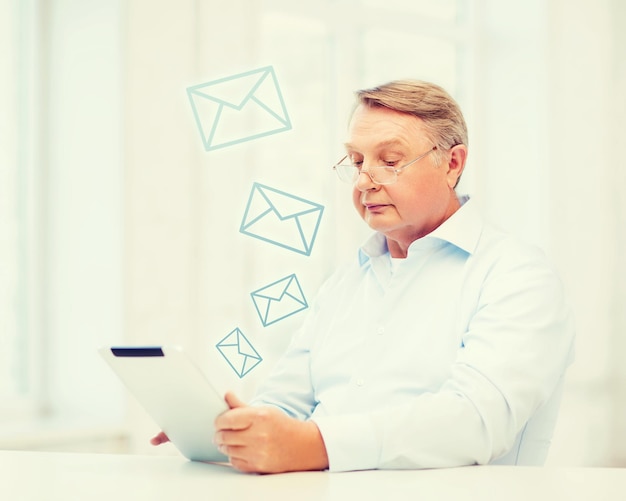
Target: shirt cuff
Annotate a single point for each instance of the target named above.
(351, 442)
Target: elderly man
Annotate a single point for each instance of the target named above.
(443, 343)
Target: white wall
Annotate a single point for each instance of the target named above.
(582, 209)
(617, 114)
(586, 47)
(551, 75)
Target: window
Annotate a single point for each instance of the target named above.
(60, 209)
(18, 207)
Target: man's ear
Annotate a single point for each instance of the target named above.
(456, 164)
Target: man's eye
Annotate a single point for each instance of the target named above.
(357, 163)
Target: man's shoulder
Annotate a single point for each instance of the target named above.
(501, 252)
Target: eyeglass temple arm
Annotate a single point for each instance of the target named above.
(346, 156)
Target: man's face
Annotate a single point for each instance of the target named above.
(422, 197)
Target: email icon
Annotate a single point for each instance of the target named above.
(281, 219)
(239, 353)
(239, 108)
(279, 300)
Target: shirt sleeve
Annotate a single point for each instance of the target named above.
(515, 351)
(289, 386)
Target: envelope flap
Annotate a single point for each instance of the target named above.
(295, 291)
(268, 95)
(232, 91)
(245, 348)
(229, 340)
(276, 290)
(287, 205)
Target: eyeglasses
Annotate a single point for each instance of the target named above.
(385, 174)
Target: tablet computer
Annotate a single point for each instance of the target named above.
(174, 392)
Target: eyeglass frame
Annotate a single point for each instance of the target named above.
(386, 167)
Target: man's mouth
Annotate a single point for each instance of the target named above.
(374, 207)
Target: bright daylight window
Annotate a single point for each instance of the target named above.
(17, 210)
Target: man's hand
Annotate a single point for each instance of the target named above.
(264, 440)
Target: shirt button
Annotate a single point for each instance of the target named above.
(380, 331)
(359, 382)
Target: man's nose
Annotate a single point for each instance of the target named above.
(364, 181)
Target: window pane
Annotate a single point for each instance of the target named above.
(8, 202)
(15, 201)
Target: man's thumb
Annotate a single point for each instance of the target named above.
(233, 400)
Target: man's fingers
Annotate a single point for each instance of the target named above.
(237, 438)
(238, 417)
(240, 459)
(241, 465)
(159, 439)
(233, 400)
(235, 419)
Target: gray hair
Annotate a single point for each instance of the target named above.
(440, 113)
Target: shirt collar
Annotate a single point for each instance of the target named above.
(462, 229)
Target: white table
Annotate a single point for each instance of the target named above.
(47, 476)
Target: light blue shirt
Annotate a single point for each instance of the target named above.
(452, 356)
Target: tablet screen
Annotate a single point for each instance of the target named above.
(174, 392)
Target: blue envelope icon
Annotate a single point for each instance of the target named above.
(279, 300)
(239, 353)
(281, 219)
(238, 108)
